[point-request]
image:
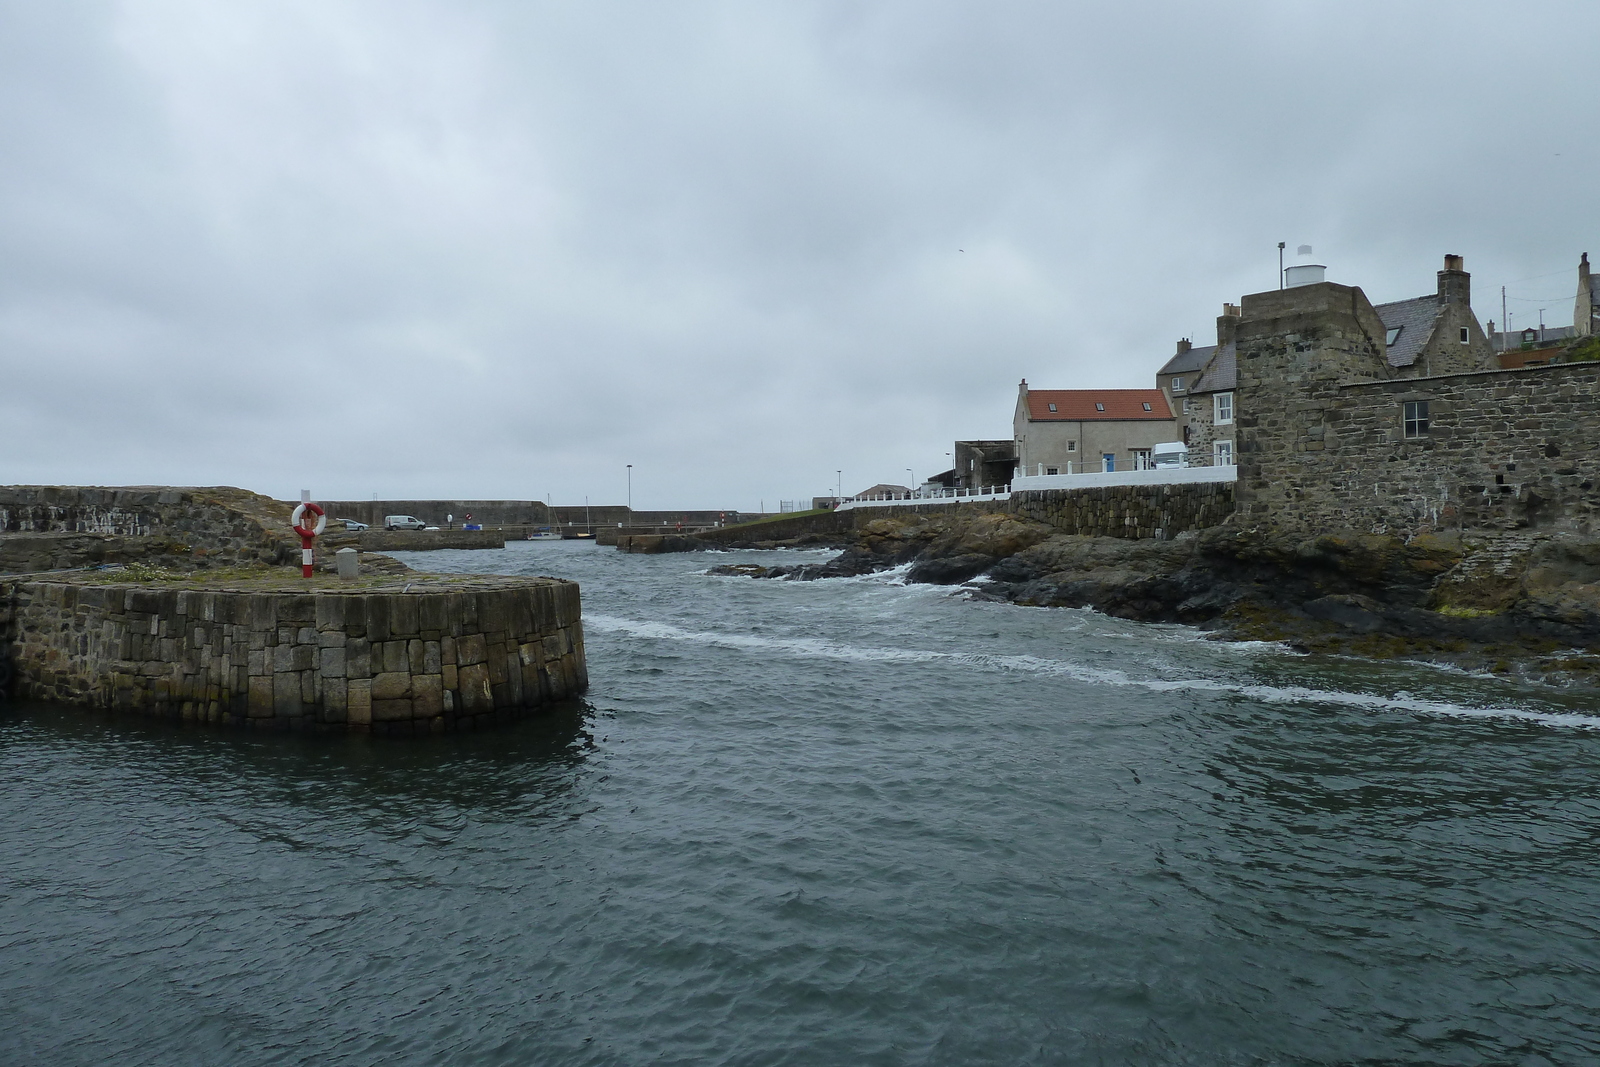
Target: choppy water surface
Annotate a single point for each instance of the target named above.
(840, 822)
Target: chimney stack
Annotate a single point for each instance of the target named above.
(1227, 325)
(1455, 284)
(1183, 345)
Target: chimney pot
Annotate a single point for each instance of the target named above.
(1231, 309)
(1452, 263)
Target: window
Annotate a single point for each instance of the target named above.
(1052, 470)
(1052, 407)
(1416, 418)
(1223, 404)
(1099, 407)
(1394, 335)
(1147, 407)
(1177, 385)
(1141, 459)
(1222, 453)
(1072, 446)
(1466, 338)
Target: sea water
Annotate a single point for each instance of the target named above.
(850, 821)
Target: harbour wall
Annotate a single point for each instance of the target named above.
(439, 658)
(408, 540)
(434, 512)
(1128, 511)
(1131, 511)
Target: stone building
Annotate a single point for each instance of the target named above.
(1177, 375)
(1068, 431)
(1338, 430)
(983, 463)
(1437, 333)
(1422, 336)
(1586, 306)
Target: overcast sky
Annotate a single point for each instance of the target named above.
(474, 249)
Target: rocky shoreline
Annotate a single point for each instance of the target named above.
(1513, 603)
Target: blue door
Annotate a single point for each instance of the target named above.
(1110, 460)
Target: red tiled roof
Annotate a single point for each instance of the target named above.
(1074, 405)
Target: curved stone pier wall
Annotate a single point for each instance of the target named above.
(427, 660)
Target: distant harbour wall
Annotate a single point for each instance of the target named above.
(398, 661)
(440, 512)
(1130, 511)
(408, 540)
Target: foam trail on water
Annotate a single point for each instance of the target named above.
(1270, 694)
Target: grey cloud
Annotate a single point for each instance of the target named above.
(504, 249)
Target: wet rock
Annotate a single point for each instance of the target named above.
(740, 570)
(950, 570)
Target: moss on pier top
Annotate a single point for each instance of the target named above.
(265, 579)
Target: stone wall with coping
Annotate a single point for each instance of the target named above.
(1131, 511)
(1101, 511)
(438, 658)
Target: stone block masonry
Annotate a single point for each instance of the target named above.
(1132, 511)
(449, 654)
(1501, 450)
(1332, 437)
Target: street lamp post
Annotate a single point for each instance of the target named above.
(630, 494)
(838, 489)
(912, 478)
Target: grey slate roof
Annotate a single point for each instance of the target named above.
(1221, 373)
(1184, 362)
(1415, 318)
(1499, 341)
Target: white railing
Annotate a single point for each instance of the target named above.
(927, 496)
(1023, 483)
(1151, 476)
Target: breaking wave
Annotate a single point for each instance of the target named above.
(810, 647)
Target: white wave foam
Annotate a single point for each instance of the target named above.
(806, 647)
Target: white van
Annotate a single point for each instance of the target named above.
(1169, 454)
(402, 522)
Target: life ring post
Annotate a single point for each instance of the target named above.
(307, 534)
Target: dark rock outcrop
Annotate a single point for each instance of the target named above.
(1493, 601)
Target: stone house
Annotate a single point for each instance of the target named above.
(1586, 306)
(1177, 375)
(1422, 336)
(1437, 333)
(1071, 431)
(1335, 432)
(982, 463)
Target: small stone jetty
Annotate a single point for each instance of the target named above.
(392, 655)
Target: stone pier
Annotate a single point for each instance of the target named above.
(416, 656)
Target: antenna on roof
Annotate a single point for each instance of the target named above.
(1280, 264)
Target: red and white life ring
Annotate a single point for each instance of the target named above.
(299, 513)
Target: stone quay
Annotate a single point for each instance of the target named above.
(402, 656)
